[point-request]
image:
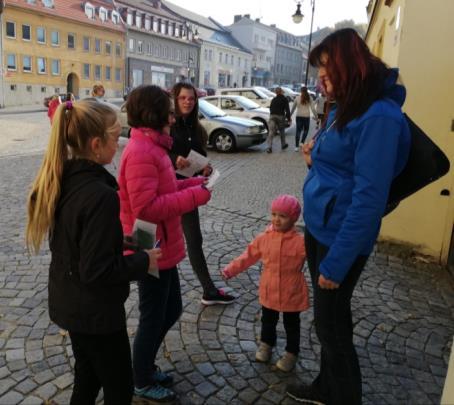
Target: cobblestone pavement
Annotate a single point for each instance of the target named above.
(403, 313)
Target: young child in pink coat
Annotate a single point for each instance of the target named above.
(283, 287)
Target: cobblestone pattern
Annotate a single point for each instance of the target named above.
(403, 313)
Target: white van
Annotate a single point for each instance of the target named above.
(252, 93)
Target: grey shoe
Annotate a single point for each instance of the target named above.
(263, 353)
(287, 362)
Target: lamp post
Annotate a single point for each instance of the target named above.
(297, 18)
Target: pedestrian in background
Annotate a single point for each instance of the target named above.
(188, 134)
(279, 112)
(303, 105)
(363, 145)
(283, 287)
(74, 200)
(149, 191)
(54, 102)
(98, 92)
(320, 107)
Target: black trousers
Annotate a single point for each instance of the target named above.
(339, 380)
(194, 242)
(270, 317)
(102, 361)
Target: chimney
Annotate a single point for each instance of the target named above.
(257, 20)
(237, 18)
(247, 16)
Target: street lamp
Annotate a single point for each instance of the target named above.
(297, 18)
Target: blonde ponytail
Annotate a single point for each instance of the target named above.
(73, 126)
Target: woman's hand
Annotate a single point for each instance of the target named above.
(182, 163)
(307, 150)
(207, 170)
(153, 256)
(326, 284)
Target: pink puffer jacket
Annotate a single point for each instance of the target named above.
(150, 191)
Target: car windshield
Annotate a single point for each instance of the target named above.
(209, 110)
(265, 91)
(247, 103)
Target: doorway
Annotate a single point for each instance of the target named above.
(72, 84)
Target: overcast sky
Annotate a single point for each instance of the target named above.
(279, 12)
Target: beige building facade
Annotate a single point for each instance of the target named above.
(416, 36)
(61, 46)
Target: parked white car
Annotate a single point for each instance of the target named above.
(252, 93)
(227, 133)
(240, 106)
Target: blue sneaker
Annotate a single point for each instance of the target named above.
(156, 393)
(164, 379)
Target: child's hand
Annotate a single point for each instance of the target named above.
(153, 256)
(225, 274)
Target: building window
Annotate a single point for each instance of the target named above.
(10, 29)
(43, 89)
(226, 59)
(86, 70)
(97, 45)
(71, 41)
(131, 44)
(166, 52)
(220, 57)
(129, 19)
(138, 20)
(55, 67)
(231, 60)
(179, 54)
(118, 74)
(55, 38)
(102, 14)
(97, 72)
(41, 65)
(118, 49)
(140, 46)
(26, 32)
(115, 17)
(108, 47)
(210, 54)
(27, 64)
(108, 73)
(41, 35)
(28, 88)
(89, 10)
(155, 25)
(163, 27)
(177, 31)
(147, 23)
(149, 48)
(86, 44)
(11, 62)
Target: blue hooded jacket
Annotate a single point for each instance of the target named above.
(346, 189)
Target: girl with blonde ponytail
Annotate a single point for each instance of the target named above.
(74, 202)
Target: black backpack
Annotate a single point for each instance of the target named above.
(426, 163)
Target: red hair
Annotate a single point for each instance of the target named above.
(356, 74)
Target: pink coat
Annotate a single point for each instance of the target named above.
(150, 191)
(282, 286)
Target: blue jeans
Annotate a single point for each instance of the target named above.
(302, 124)
(160, 307)
(339, 380)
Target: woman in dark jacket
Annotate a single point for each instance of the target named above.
(75, 200)
(187, 134)
(362, 147)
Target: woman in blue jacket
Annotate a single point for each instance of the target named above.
(363, 145)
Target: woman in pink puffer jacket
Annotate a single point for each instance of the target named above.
(150, 191)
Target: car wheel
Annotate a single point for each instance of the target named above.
(224, 141)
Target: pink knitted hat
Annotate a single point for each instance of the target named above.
(287, 204)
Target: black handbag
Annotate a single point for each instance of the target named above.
(426, 163)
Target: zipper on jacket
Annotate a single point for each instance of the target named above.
(329, 210)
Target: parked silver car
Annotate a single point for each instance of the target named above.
(240, 106)
(227, 133)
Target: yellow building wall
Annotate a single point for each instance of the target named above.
(71, 60)
(426, 62)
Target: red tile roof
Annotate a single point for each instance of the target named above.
(71, 10)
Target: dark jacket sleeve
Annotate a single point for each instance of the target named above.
(287, 110)
(101, 255)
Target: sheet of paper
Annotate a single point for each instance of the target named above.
(196, 163)
(144, 236)
(213, 179)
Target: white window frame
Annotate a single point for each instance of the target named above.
(129, 19)
(37, 65)
(148, 23)
(118, 74)
(155, 24)
(30, 65)
(118, 49)
(89, 10)
(11, 69)
(108, 44)
(37, 35)
(138, 20)
(115, 17)
(86, 76)
(97, 67)
(29, 30)
(103, 15)
(58, 38)
(139, 46)
(131, 44)
(83, 43)
(52, 67)
(98, 41)
(108, 77)
(6, 29)
(74, 42)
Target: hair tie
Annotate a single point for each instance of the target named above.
(69, 105)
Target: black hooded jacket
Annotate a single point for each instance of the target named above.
(89, 276)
